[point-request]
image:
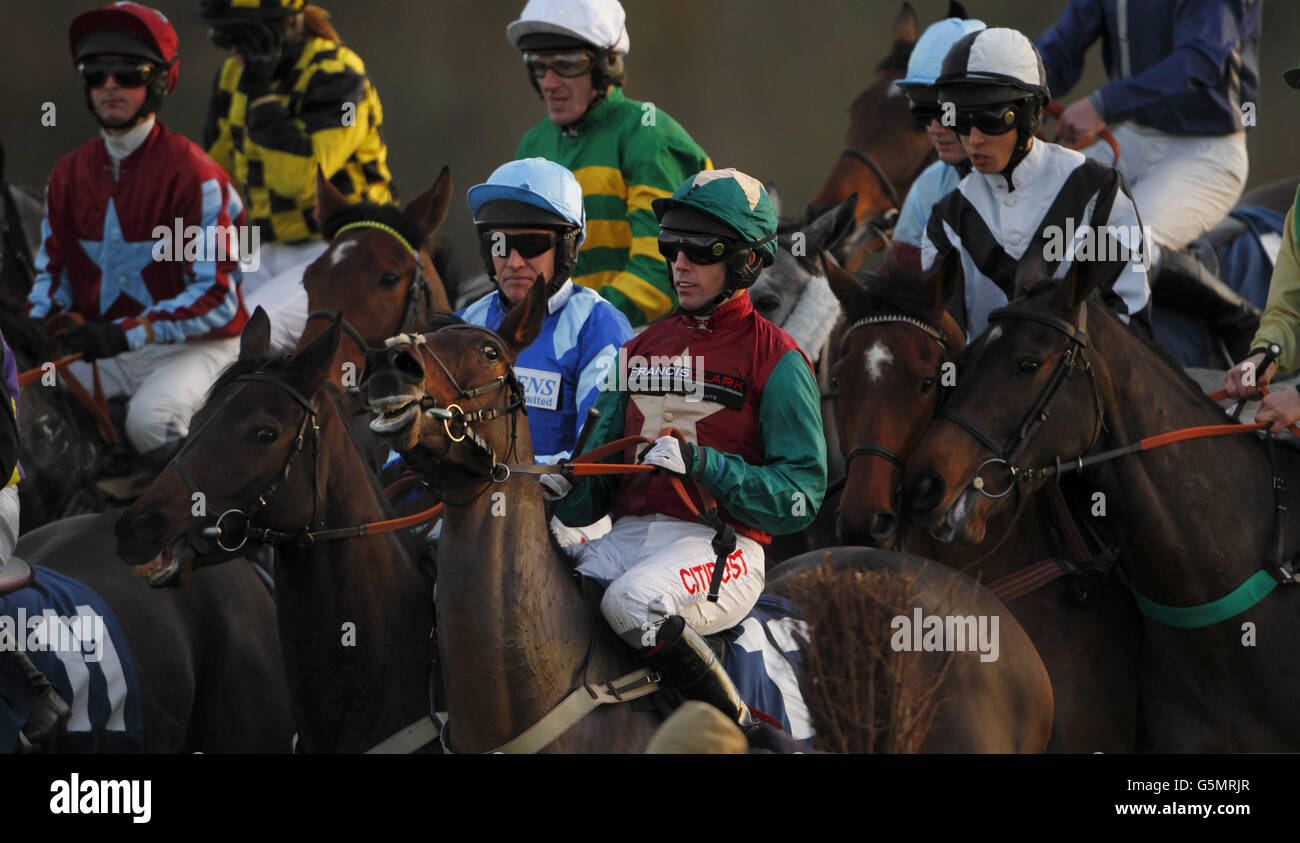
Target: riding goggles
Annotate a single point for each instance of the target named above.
(529, 245)
(923, 113)
(127, 74)
(990, 121)
(700, 249)
(567, 65)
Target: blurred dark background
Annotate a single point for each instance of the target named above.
(763, 85)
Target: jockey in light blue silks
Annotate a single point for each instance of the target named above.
(531, 221)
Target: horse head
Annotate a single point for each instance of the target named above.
(253, 458)
(887, 381)
(1027, 394)
(377, 269)
(449, 399)
(883, 152)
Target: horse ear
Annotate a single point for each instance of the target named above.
(957, 10)
(905, 25)
(428, 209)
(841, 282)
(255, 341)
(941, 282)
(310, 368)
(328, 197)
(523, 322)
(1081, 279)
(1032, 269)
(827, 230)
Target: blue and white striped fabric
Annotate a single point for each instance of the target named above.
(763, 661)
(93, 671)
(564, 367)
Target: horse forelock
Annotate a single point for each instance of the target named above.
(877, 294)
(389, 215)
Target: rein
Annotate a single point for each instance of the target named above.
(1254, 589)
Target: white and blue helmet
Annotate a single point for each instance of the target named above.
(532, 193)
(926, 63)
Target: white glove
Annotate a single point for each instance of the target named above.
(555, 486)
(666, 453)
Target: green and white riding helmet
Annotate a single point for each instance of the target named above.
(732, 208)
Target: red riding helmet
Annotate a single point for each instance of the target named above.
(129, 29)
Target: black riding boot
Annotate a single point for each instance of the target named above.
(1181, 282)
(686, 658)
(49, 712)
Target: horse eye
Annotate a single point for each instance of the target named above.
(389, 279)
(926, 385)
(1029, 365)
(263, 435)
(491, 353)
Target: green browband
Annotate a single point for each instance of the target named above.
(1246, 595)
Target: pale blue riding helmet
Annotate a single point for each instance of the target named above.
(924, 66)
(537, 182)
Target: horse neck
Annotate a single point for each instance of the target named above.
(1193, 519)
(513, 628)
(353, 613)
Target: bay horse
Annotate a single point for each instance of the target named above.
(897, 358)
(207, 656)
(515, 633)
(883, 152)
(1193, 520)
(354, 614)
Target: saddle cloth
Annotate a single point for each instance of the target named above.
(72, 636)
(762, 658)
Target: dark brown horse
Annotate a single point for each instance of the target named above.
(897, 358)
(207, 655)
(1193, 520)
(516, 634)
(883, 153)
(355, 614)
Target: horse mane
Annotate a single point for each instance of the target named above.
(389, 215)
(901, 294)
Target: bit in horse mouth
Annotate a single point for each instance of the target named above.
(956, 515)
(393, 414)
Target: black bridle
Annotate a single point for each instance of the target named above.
(1072, 359)
(874, 449)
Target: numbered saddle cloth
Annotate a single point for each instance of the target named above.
(72, 637)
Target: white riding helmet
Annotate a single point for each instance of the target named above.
(992, 66)
(599, 23)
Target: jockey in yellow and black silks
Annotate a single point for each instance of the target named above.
(290, 98)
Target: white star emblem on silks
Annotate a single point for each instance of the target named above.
(120, 263)
(680, 411)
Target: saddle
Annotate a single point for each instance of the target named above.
(15, 574)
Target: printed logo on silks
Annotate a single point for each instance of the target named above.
(678, 375)
(541, 388)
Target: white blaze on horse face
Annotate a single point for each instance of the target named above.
(340, 252)
(876, 357)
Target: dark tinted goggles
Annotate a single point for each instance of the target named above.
(700, 249)
(990, 121)
(923, 113)
(564, 64)
(128, 74)
(499, 244)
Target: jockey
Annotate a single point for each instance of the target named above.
(1184, 85)
(48, 711)
(624, 153)
(530, 221)
(162, 317)
(290, 98)
(1024, 197)
(1280, 326)
(747, 405)
(940, 178)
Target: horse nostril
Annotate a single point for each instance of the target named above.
(883, 526)
(925, 494)
(150, 525)
(407, 364)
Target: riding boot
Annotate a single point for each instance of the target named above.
(1181, 282)
(49, 713)
(686, 658)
